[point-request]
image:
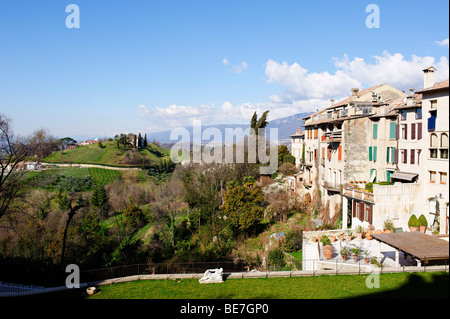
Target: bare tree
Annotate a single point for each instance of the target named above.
(14, 151)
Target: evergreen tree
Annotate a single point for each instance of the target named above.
(145, 140)
(99, 198)
(139, 142)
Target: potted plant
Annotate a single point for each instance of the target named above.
(413, 223)
(423, 223)
(366, 256)
(333, 238)
(359, 231)
(356, 252)
(344, 253)
(327, 247)
(341, 237)
(349, 235)
(388, 226)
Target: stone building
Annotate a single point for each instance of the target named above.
(380, 155)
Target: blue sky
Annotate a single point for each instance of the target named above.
(152, 65)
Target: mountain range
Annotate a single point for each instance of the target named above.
(286, 127)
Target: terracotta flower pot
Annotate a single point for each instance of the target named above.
(378, 231)
(387, 231)
(341, 238)
(333, 238)
(413, 228)
(359, 235)
(369, 235)
(366, 260)
(349, 238)
(423, 229)
(345, 258)
(328, 251)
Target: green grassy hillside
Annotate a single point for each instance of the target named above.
(110, 155)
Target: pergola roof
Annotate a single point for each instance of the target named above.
(417, 244)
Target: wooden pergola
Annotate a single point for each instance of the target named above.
(418, 245)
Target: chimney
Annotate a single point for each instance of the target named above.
(428, 80)
(332, 101)
(355, 91)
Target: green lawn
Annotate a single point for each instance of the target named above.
(107, 155)
(104, 176)
(401, 285)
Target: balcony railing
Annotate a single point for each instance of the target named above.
(357, 193)
(332, 186)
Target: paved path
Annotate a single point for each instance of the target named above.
(93, 165)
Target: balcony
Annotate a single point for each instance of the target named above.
(332, 137)
(358, 193)
(333, 187)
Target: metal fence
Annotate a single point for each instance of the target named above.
(293, 268)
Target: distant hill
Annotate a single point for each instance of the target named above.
(286, 127)
(109, 155)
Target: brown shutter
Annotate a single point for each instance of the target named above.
(370, 214)
(397, 131)
(340, 153)
(361, 211)
(396, 156)
(406, 131)
(413, 157)
(354, 208)
(419, 131)
(413, 131)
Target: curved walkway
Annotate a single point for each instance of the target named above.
(93, 166)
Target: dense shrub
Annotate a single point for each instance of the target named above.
(276, 258)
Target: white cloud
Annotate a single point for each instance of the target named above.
(235, 68)
(303, 91)
(443, 43)
(394, 69)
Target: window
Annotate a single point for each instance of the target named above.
(444, 146)
(404, 115)
(434, 144)
(432, 177)
(391, 155)
(433, 104)
(405, 131)
(419, 131)
(404, 154)
(373, 153)
(413, 131)
(443, 178)
(418, 113)
(375, 131)
(392, 131)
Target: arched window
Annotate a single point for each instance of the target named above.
(444, 145)
(434, 141)
(444, 140)
(434, 144)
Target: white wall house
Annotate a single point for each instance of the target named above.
(435, 168)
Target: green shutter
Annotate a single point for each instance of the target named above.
(388, 154)
(374, 153)
(392, 131)
(375, 131)
(393, 154)
(370, 153)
